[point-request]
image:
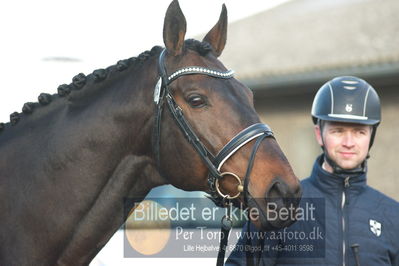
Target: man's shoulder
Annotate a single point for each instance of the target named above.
(381, 197)
(306, 181)
(382, 203)
(387, 209)
(309, 189)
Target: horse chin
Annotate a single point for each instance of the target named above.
(272, 214)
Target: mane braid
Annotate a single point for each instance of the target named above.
(81, 82)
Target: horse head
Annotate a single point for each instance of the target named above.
(229, 153)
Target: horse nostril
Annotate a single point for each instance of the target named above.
(282, 201)
(298, 192)
(281, 191)
(277, 190)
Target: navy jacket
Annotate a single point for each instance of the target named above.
(346, 212)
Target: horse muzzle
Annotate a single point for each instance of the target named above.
(278, 209)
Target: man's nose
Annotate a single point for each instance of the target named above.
(348, 140)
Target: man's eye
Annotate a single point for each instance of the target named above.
(196, 101)
(336, 130)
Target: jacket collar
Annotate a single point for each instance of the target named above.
(330, 182)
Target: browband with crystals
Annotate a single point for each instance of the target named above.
(200, 70)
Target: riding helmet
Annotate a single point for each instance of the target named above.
(347, 99)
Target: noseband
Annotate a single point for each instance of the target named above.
(260, 131)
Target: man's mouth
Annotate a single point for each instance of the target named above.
(347, 154)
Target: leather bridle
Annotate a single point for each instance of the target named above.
(258, 131)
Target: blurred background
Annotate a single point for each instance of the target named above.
(286, 53)
(284, 50)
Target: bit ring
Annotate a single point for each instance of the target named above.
(240, 187)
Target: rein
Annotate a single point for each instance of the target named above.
(259, 131)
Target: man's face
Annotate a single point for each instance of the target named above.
(347, 144)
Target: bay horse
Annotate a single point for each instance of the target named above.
(68, 161)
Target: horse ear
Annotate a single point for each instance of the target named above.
(217, 36)
(174, 29)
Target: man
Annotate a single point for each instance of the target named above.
(350, 223)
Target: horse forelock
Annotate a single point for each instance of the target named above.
(203, 48)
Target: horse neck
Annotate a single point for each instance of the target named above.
(117, 123)
(72, 157)
(109, 201)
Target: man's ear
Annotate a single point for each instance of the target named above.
(317, 132)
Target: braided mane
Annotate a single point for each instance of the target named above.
(83, 82)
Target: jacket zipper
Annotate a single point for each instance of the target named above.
(346, 185)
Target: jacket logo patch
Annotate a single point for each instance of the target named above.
(348, 108)
(375, 227)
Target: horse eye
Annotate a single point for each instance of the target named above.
(196, 101)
